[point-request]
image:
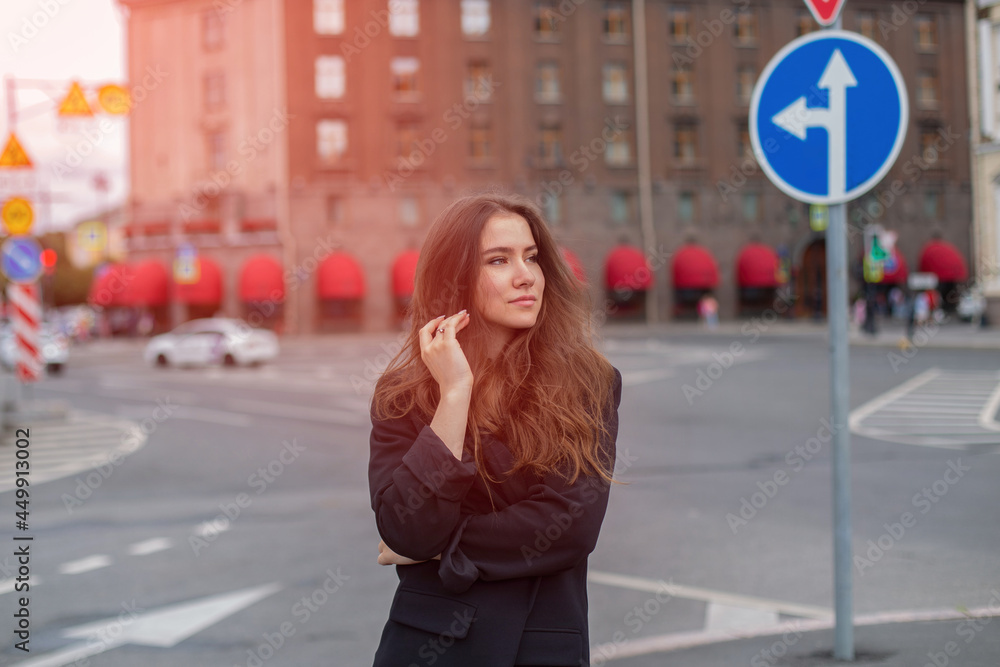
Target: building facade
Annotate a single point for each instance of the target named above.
(299, 150)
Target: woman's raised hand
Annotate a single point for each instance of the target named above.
(442, 353)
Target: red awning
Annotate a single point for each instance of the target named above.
(404, 270)
(626, 268)
(208, 289)
(942, 258)
(340, 277)
(575, 264)
(107, 289)
(261, 279)
(695, 268)
(898, 273)
(757, 266)
(148, 282)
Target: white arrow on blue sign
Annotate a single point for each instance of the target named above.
(828, 117)
(21, 259)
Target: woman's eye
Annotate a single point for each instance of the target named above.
(534, 258)
(497, 259)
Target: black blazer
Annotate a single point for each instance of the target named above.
(511, 585)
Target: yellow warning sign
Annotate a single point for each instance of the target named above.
(92, 235)
(114, 99)
(17, 215)
(13, 155)
(75, 104)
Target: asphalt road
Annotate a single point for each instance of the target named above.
(240, 532)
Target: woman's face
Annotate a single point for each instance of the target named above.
(510, 286)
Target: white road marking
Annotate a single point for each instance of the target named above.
(211, 528)
(150, 546)
(720, 616)
(631, 378)
(161, 628)
(949, 409)
(707, 595)
(84, 441)
(7, 585)
(87, 564)
(681, 640)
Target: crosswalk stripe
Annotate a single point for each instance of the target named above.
(935, 409)
(87, 564)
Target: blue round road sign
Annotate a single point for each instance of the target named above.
(21, 259)
(828, 117)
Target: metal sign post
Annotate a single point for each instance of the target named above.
(812, 143)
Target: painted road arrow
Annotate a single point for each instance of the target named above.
(163, 628)
(796, 118)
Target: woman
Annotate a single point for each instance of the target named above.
(492, 449)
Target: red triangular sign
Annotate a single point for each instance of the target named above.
(825, 11)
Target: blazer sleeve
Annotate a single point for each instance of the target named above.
(553, 529)
(417, 486)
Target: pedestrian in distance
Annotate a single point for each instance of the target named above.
(492, 448)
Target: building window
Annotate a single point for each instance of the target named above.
(330, 77)
(404, 18)
(926, 28)
(477, 80)
(685, 143)
(334, 210)
(404, 75)
(686, 206)
(744, 149)
(865, 22)
(680, 24)
(213, 30)
(480, 146)
(928, 144)
(407, 139)
(751, 207)
(547, 20)
(618, 150)
(215, 91)
(547, 82)
(216, 151)
(615, 83)
(932, 204)
(621, 206)
(550, 145)
(927, 89)
(331, 140)
(746, 77)
(615, 22)
(682, 84)
(745, 29)
(409, 211)
(475, 18)
(328, 17)
(805, 23)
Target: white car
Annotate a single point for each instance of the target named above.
(54, 346)
(213, 340)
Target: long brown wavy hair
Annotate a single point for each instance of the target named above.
(547, 391)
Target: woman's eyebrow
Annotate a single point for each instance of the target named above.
(508, 250)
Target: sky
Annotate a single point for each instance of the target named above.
(44, 46)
